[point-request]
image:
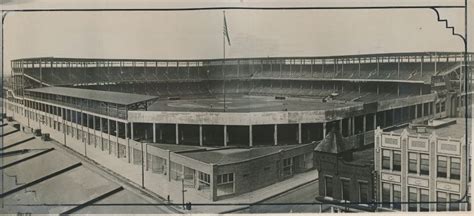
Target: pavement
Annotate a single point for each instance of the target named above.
(42, 177)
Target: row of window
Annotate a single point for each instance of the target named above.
(418, 199)
(86, 120)
(419, 163)
(345, 186)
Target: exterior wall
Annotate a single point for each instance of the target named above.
(331, 165)
(433, 146)
(266, 170)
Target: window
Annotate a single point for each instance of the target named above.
(308, 159)
(397, 194)
(137, 157)
(442, 166)
(441, 201)
(225, 178)
(412, 199)
(397, 161)
(287, 166)
(159, 165)
(225, 184)
(345, 190)
(385, 195)
(412, 163)
(455, 168)
(453, 202)
(386, 159)
(328, 181)
(424, 164)
(176, 171)
(363, 192)
(424, 199)
(204, 181)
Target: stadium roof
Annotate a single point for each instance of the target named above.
(103, 96)
(433, 53)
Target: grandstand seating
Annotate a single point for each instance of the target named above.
(277, 79)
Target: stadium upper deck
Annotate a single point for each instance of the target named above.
(405, 73)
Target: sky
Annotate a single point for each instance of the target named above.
(198, 34)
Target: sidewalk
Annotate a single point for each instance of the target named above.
(253, 197)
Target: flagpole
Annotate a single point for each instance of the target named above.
(223, 61)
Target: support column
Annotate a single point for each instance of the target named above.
(108, 127)
(225, 135)
(422, 109)
(324, 129)
(353, 125)
(340, 126)
(86, 142)
(154, 132)
(398, 89)
(275, 135)
(398, 68)
(416, 111)
(131, 130)
(375, 120)
(300, 140)
(128, 141)
(250, 136)
(200, 135)
(177, 134)
(108, 132)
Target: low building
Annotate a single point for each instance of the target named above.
(219, 173)
(345, 173)
(423, 167)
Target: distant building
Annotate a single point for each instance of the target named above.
(421, 164)
(345, 173)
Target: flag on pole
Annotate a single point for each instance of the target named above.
(226, 31)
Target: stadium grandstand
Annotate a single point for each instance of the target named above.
(221, 125)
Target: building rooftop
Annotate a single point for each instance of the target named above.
(448, 127)
(334, 143)
(103, 96)
(234, 155)
(176, 148)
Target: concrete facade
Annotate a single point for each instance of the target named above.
(422, 167)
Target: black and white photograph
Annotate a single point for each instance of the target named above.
(236, 107)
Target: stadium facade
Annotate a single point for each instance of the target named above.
(219, 126)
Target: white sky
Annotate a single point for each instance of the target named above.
(198, 34)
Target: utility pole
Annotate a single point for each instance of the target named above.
(182, 191)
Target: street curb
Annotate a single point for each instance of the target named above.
(270, 197)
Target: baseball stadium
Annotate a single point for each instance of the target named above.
(223, 128)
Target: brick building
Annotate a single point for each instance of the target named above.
(345, 172)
